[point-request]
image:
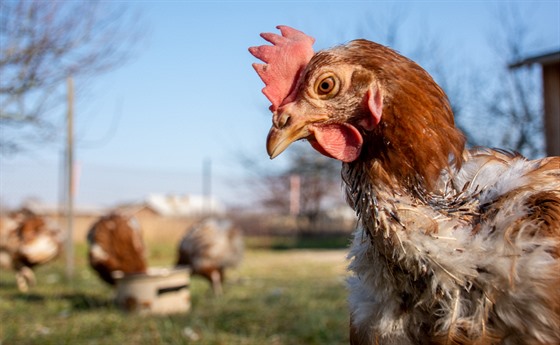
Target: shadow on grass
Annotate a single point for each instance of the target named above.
(8, 285)
(78, 301)
(81, 301)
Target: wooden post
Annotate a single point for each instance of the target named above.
(70, 182)
(551, 90)
(207, 186)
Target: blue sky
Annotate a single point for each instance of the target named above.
(190, 94)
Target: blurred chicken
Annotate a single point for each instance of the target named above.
(116, 247)
(457, 246)
(209, 247)
(27, 240)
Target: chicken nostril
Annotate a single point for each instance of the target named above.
(284, 121)
(281, 121)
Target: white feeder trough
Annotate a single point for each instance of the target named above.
(159, 291)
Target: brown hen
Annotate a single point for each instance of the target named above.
(116, 247)
(455, 246)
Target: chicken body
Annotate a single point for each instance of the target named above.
(209, 247)
(455, 246)
(27, 240)
(116, 247)
(474, 261)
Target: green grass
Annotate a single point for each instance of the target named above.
(275, 297)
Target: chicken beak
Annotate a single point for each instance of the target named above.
(278, 140)
(288, 125)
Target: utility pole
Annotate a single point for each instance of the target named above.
(295, 194)
(70, 182)
(207, 185)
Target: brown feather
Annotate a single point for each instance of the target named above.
(121, 245)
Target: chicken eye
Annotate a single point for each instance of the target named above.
(327, 87)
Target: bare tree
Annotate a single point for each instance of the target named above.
(385, 27)
(319, 184)
(41, 44)
(515, 103)
(319, 181)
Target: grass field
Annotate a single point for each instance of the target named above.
(292, 296)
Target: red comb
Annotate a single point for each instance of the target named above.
(285, 60)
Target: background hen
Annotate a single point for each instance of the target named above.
(27, 240)
(457, 246)
(210, 247)
(116, 247)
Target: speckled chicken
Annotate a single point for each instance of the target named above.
(455, 246)
(27, 240)
(209, 247)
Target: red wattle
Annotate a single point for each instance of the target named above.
(338, 140)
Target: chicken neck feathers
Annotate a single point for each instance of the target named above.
(476, 260)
